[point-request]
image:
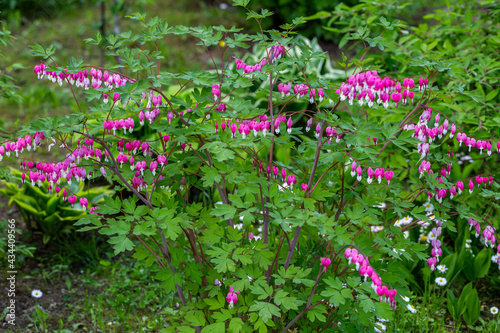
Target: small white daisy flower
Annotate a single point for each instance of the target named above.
(423, 224)
(411, 308)
(36, 293)
(431, 237)
(442, 268)
(406, 234)
(494, 258)
(441, 281)
(376, 228)
(398, 223)
(407, 220)
(406, 299)
(494, 310)
(428, 207)
(379, 327)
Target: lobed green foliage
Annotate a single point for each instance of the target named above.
(195, 223)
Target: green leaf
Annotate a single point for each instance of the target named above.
(121, 244)
(221, 258)
(317, 313)
(453, 307)
(241, 3)
(28, 204)
(242, 255)
(129, 206)
(482, 263)
(213, 304)
(336, 297)
(224, 155)
(141, 211)
(196, 318)
(119, 227)
(384, 22)
(282, 298)
(492, 94)
(147, 228)
(472, 308)
(171, 228)
(367, 305)
(235, 325)
(214, 328)
(110, 206)
(262, 290)
(266, 310)
(222, 316)
(225, 210)
(462, 301)
(468, 18)
(383, 310)
(211, 175)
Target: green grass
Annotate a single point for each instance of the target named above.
(108, 297)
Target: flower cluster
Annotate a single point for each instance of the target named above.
(276, 52)
(105, 82)
(244, 128)
(68, 169)
(367, 86)
(427, 134)
(365, 270)
(247, 69)
(473, 143)
(488, 235)
(96, 80)
(379, 173)
(20, 144)
(436, 247)
(121, 124)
